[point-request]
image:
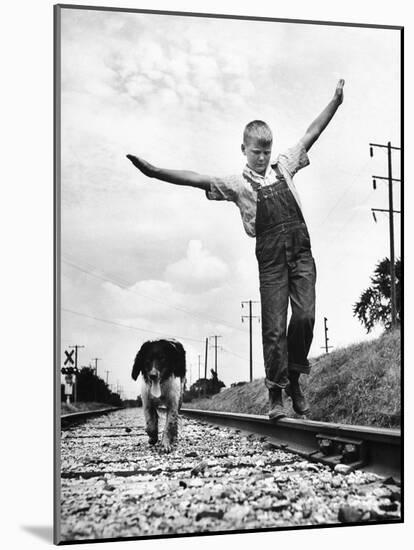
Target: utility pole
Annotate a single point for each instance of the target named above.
(250, 316)
(205, 368)
(325, 320)
(76, 347)
(107, 373)
(215, 351)
(75, 386)
(205, 360)
(391, 212)
(96, 359)
(199, 373)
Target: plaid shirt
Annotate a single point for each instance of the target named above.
(237, 189)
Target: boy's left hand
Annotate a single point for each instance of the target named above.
(339, 92)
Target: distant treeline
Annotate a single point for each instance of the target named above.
(130, 403)
(203, 387)
(89, 387)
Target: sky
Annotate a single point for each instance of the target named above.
(142, 259)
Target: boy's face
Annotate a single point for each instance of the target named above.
(257, 153)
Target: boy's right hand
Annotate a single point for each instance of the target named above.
(339, 92)
(178, 177)
(142, 165)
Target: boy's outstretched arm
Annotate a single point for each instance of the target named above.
(321, 122)
(178, 177)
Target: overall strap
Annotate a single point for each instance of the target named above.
(278, 172)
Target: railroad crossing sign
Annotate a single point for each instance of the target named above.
(69, 382)
(69, 379)
(69, 370)
(69, 357)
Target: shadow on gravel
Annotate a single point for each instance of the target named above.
(44, 532)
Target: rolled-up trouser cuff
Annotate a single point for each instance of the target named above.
(272, 385)
(295, 367)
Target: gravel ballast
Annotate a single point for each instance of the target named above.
(114, 484)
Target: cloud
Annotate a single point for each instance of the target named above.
(198, 271)
(154, 66)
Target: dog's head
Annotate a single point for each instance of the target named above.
(158, 360)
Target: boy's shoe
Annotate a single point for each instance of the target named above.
(276, 404)
(299, 402)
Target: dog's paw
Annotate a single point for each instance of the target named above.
(153, 440)
(166, 446)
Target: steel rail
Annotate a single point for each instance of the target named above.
(70, 418)
(374, 449)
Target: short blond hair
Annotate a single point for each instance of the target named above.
(259, 130)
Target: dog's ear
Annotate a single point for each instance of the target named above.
(139, 360)
(177, 358)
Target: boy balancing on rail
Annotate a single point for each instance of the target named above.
(271, 211)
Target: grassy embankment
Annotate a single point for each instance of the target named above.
(359, 384)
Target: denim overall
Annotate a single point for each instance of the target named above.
(286, 271)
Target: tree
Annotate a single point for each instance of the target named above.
(215, 383)
(204, 386)
(93, 388)
(374, 305)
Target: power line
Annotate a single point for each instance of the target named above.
(128, 326)
(233, 353)
(124, 286)
(362, 240)
(351, 217)
(347, 223)
(121, 325)
(347, 190)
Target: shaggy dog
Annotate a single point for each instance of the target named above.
(162, 364)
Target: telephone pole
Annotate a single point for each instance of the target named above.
(325, 320)
(250, 316)
(107, 373)
(199, 372)
(76, 347)
(215, 351)
(205, 368)
(205, 360)
(391, 213)
(96, 359)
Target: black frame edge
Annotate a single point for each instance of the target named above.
(56, 268)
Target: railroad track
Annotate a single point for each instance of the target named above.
(69, 419)
(219, 478)
(376, 450)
